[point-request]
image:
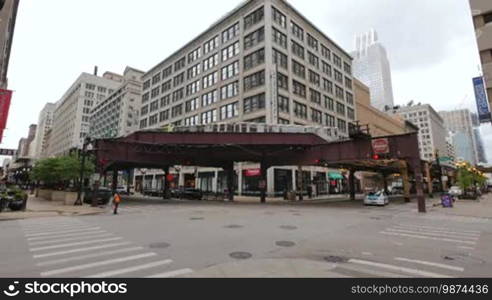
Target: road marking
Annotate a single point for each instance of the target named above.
(397, 268)
(65, 231)
(37, 243)
(439, 228)
(428, 237)
(171, 273)
(80, 250)
(359, 269)
(433, 264)
(439, 231)
(432, 234)
(75, 244)
(131, 269)
(53, 227)
(81, 257)
(367, 253)
(466, 247)
(66, 235)
(97, 264)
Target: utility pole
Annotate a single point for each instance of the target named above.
(87, 141)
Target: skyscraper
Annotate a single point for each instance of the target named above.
(371, 66)
(459, 122)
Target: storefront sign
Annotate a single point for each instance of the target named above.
(5, 98)
(170, 177)
(481, 99)
(7, 152)
(252, 172)
(380, 146)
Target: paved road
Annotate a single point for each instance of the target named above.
(152, 238)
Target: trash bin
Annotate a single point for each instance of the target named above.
(291, 196)
(447, 200)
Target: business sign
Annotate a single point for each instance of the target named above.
(380, 146)
(482, 102)
(274, 102)
(5, 98)
(7, 152)
(252, 172)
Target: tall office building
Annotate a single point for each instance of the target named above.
(482, 20)
(459, 122)
(72, 113)
(480, 146)
(372, 67)
(45, 122)
(8, 15)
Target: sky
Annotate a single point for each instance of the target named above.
(431, 45)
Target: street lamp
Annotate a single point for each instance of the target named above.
(86, 147)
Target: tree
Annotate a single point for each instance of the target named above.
(61, 170)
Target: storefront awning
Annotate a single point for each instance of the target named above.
(334, 175)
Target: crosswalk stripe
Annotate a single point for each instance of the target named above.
(171, 273)
(427, 237)
(433, 264)
(75, 244)
(96, 264)
(398, 268)
(363, 270)
(439, 228)
(65, 231)
(431, 233)
(466, 234)
(131, 269)
(57, 228)
(37, 243)
(466, 247)
(81, 257)
(65, 235)
(80, 250)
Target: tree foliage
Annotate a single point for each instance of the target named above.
(52, 171)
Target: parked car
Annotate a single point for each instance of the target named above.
(187, 193)
(122, 190)
(376, 198)
(397, 190)
(103, 196)
(456, 191)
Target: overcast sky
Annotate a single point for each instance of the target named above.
(431, 45)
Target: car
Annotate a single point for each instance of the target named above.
(456, 191)
(103, 196)
(187, 193)
(397, 190)
(376, 198)
(122, 190)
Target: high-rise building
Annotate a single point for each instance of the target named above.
(72, 113)
(45, 122)
(118, 114)
(459, 122)
(8, 15)
(481, 155)
(372, 67)
(432, 133)
(482, 20)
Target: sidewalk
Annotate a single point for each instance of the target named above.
(38, 208)
(481, 208)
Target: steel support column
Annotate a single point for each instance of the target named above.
(385, 183)
(263, 181)
(417, 171)
(405, 180)
(114, 183)
(352, 184)
(229, 170)
(165, 184)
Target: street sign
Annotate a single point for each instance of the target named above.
(380, 146)
(445, 159)
(481, 99)
(7, 152)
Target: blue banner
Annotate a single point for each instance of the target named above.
(481, 98)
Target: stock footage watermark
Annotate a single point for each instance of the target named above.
(70, 289)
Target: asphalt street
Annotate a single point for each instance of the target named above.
(153, 238)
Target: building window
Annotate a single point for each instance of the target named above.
(166, 86)
(316, 116)
(313, 60)
(338, 92)
(165, 101)
(283, 121)
(254, 38)
(297, 31)
(300, 110)
(350, 113)
(209, 117)
(154, 106)
(342, 125)
(143, 123)
(210, 80)
(156, 78)
(298, 69)
(167, 72)
(179, 64)
(153, 119)
(329, 120)
(340, 109)
(280, 38)
(194, 71)
(329, 104)
(179, 79)
(230, 33)
(325, 52)
(91, 87)
(283, 104)
(192, 121)
(155, 92)
(347, 68)
(229, 111)
(145, 97)
(230, 52)
(326, 69)
(279, 17)
(348, 83)
(191, 105)
(254, 103)
(312, 42)
(315, 96)
(255, 80)
(298, 50)
(211, 45)
(178, 95)
(230, 71)
(299, 89)
(280, 59)
(211, 62)
(337, 61)
(146, 85)
(209, 98)
(193, 88)
(349, 98)
(314, 78)
(254, 59)
(194, 55)
(229, 91)
(338, 77)
(327, 86)
(283, 81)
(254, 18)
(177, 111)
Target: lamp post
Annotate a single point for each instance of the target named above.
(87, 143)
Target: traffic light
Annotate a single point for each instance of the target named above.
(376, 157)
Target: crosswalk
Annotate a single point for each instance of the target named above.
(462, 238)
(136, 208)
(67, 247)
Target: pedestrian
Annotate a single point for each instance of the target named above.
(116, 202)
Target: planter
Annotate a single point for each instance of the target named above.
(70, 198)
(58, 196)
(45, 194)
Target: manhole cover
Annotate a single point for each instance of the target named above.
(159, 245)
(233, 226)
(288, 227)
(336, 259)
(240, 255)
(285, 244)
(196, 219)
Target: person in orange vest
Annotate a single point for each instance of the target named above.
(116, 202)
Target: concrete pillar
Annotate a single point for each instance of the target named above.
(114, 183)
(263, 181)
(229, 170)
(429, 179)
(240, 179)
(405, 180)
(215, 181)
(300, 181)
(181, 179)
(352, 184)
(165, 183)
(271, 181)
(417, 170)
(294, 179)
(128, 180)
(385, 183)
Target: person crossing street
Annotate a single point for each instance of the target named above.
(116, 202)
